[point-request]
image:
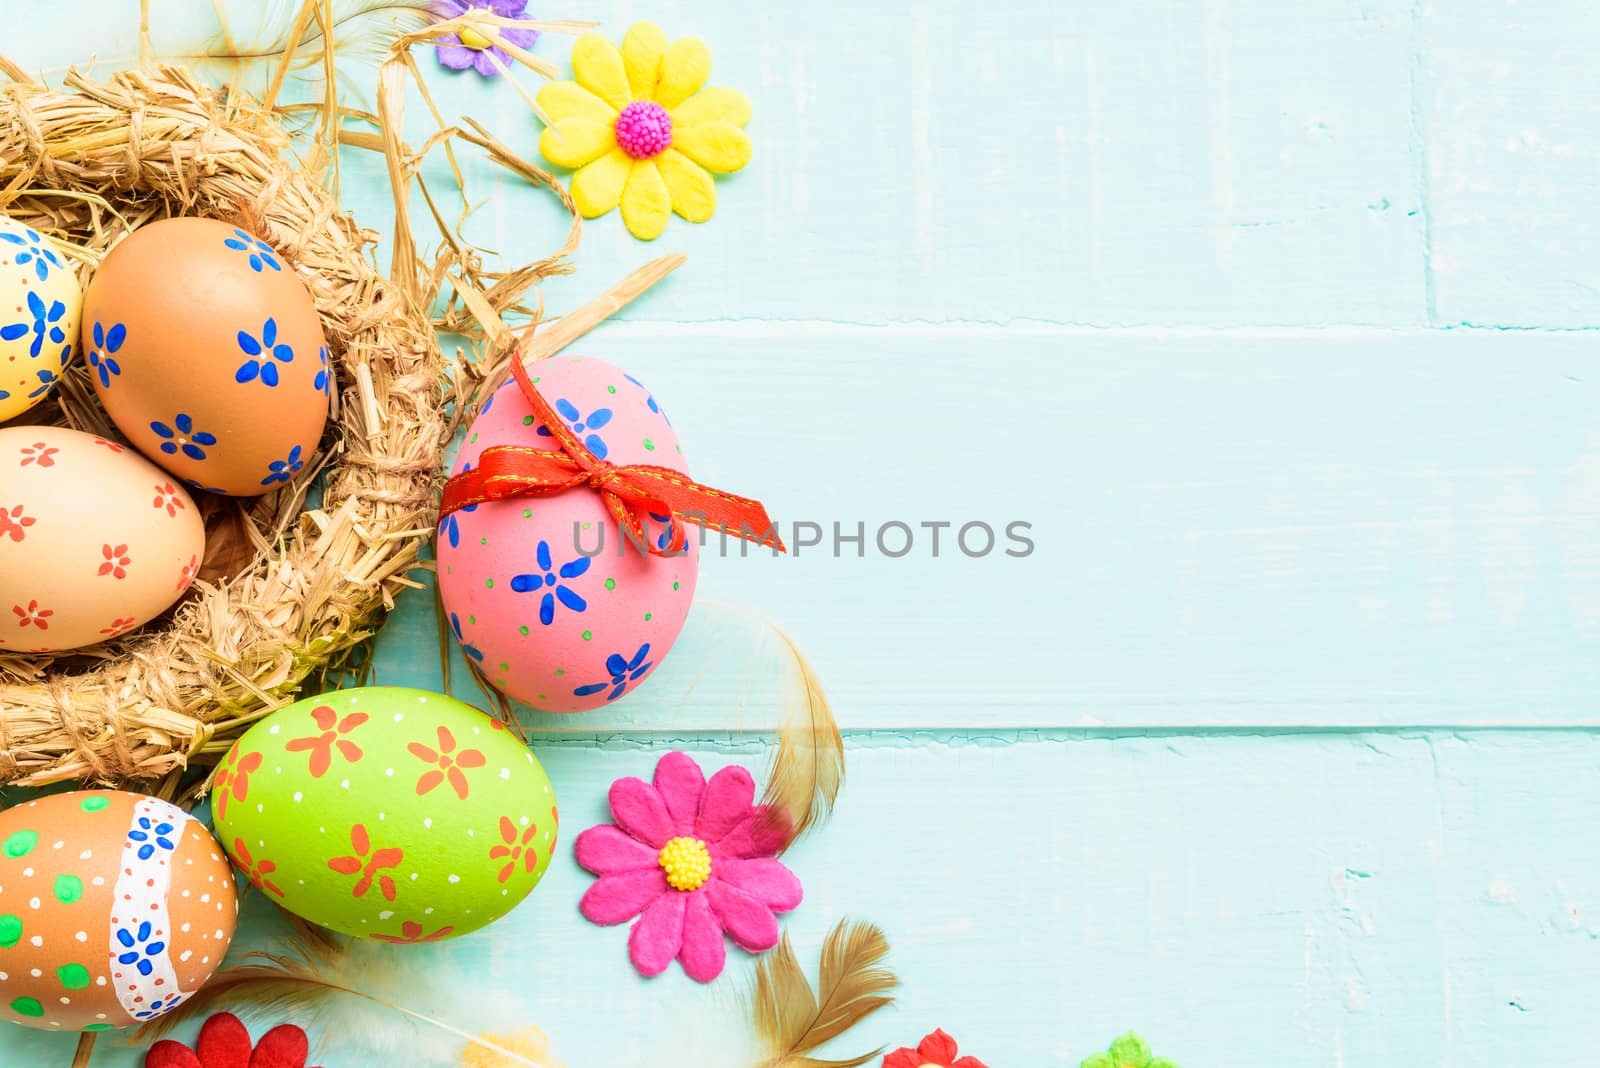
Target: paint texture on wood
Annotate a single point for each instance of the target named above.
(1276, 746)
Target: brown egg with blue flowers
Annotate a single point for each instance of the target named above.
(207, 352)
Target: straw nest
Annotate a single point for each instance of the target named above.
(293, 590)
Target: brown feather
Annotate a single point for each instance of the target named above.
(808, 769)
(318, 944)
(850, 979)
(764, 1003)
(791, 1020)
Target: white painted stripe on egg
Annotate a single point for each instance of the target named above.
(142, 886)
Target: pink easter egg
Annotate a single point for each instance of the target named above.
(546, 594)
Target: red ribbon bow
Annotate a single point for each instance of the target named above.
(504, 472)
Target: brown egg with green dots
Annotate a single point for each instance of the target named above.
(114, 908)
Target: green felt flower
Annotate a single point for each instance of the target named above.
(1129, 1051)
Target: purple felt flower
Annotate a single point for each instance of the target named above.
(459, 53)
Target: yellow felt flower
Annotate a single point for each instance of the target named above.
(641, 128)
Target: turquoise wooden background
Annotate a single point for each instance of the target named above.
(1275, 321)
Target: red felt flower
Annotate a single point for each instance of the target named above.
(938, 1050)
(224, 1043)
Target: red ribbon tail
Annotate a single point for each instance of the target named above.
(719, 511)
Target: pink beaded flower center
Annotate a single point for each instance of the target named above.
(644, 129)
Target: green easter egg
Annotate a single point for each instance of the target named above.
(386, 813)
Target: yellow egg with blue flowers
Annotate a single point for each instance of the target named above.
(40, 303)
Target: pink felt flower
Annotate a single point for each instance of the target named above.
(690, 859)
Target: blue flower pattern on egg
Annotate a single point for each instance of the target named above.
(48, 380)
(152, 836)
(138, 948)
(34, 251)
(285, 469)
(622, 671)
(665, 538)
(261, 254)
(181, 435)
(155, 1008)
(649, 399)
(450, 526)
(583, 427)
(450, 529)
(262, 352)
(46, 323)
(107, 343)
(466, 646)
(323, 383)
(548, 579)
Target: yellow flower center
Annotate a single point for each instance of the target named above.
(474, 40)
(687, 863)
